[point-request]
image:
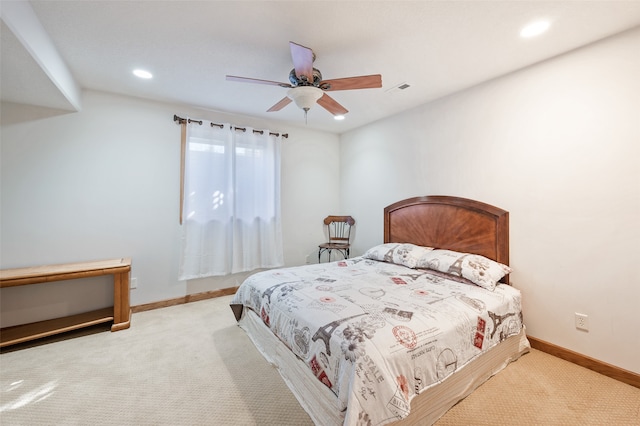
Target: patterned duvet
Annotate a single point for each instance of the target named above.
(379, 333)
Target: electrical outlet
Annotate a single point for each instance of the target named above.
(582, 322)
(134, 283)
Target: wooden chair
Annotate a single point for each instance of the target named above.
(339, 231)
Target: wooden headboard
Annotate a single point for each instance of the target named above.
(451, 223)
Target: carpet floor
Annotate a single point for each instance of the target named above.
(192, 365)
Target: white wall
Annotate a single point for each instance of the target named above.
(558, 146)
(104, 183)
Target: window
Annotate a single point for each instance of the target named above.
(232, 201)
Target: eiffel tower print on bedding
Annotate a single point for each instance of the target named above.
(384, 326)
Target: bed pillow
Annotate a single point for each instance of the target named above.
(405, 254)
(449, 277)
(478, 269)
(382, 252)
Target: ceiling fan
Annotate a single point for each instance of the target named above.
(307, 87)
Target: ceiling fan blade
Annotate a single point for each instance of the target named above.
(302, 61)
(330, 104)
(281, 104)
(373, 81)
(258, 81)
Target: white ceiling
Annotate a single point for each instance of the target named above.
(437, 47)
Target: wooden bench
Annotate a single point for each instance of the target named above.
(120, 314)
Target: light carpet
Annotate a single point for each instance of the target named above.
(192, 365)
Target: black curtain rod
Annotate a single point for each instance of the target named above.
(181, 120)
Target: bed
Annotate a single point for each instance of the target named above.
(402, 333)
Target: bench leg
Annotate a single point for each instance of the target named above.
(121, 308)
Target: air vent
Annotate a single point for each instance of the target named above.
(398, 88)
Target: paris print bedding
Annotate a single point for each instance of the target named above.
(378, 333)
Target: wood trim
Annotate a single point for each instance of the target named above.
(183, 155)
(617, 373)
(185, 299)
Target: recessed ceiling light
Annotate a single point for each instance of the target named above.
(534, 29)
(142, 73)
(338, 117)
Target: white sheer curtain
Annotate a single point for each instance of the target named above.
(232, 201)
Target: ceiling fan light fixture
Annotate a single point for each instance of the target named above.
(305, 96)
